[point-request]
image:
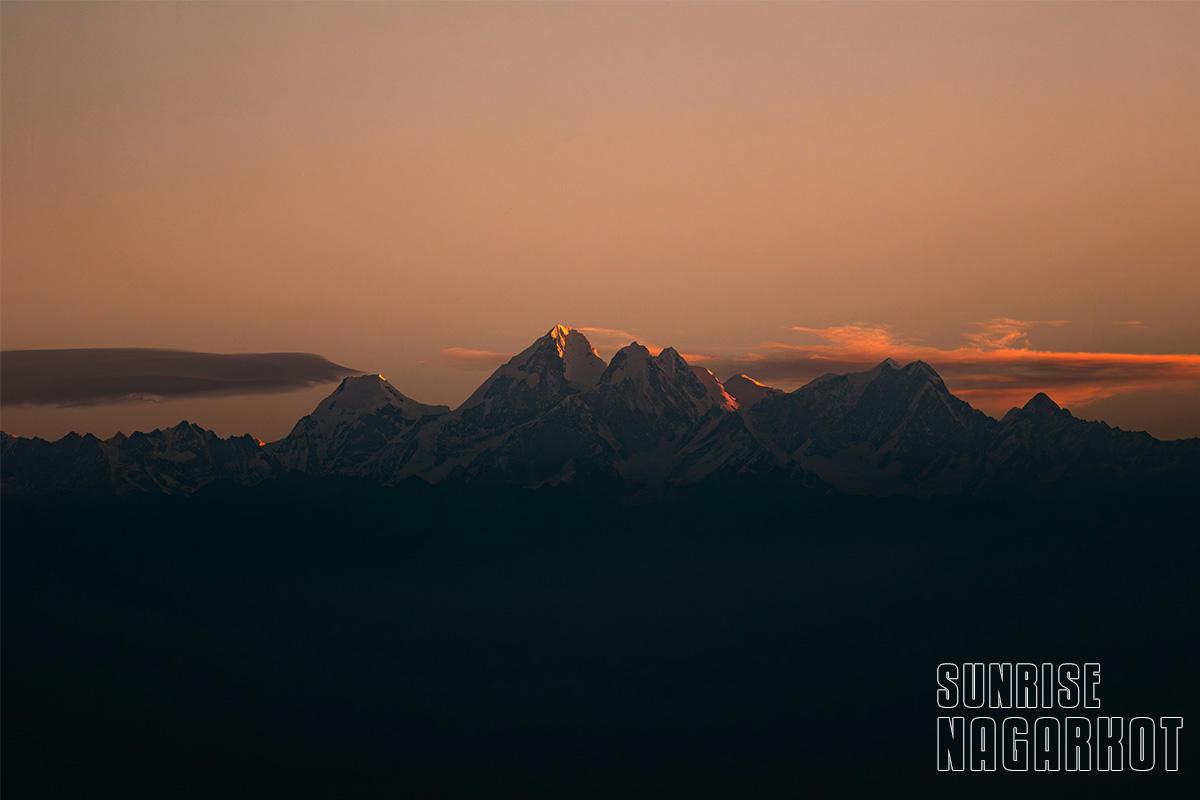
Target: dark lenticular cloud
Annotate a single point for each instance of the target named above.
(102, 375)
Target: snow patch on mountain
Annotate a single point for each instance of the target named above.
(716, 390)
(747, 391)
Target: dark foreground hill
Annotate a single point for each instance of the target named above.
(331, 637)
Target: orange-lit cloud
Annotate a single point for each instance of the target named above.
(995, 369)
(471, 359)
(609, 340)
(1004, 332)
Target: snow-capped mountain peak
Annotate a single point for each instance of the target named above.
(631, 363)
(924, 370)
(914, 373)
(651, 383)
(560, 361)
(1041, 403)
(670, 359)
(364, 412)
(361, 395)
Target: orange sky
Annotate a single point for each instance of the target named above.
(421, 189)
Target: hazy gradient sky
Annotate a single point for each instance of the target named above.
(419, 189)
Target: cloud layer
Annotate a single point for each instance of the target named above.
(102, 375)
(995, 368)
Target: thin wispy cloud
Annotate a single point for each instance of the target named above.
(609, 340)
(596, 334)
(473, 359)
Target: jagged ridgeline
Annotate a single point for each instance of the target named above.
(557, 414)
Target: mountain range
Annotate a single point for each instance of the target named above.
(557, 414)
